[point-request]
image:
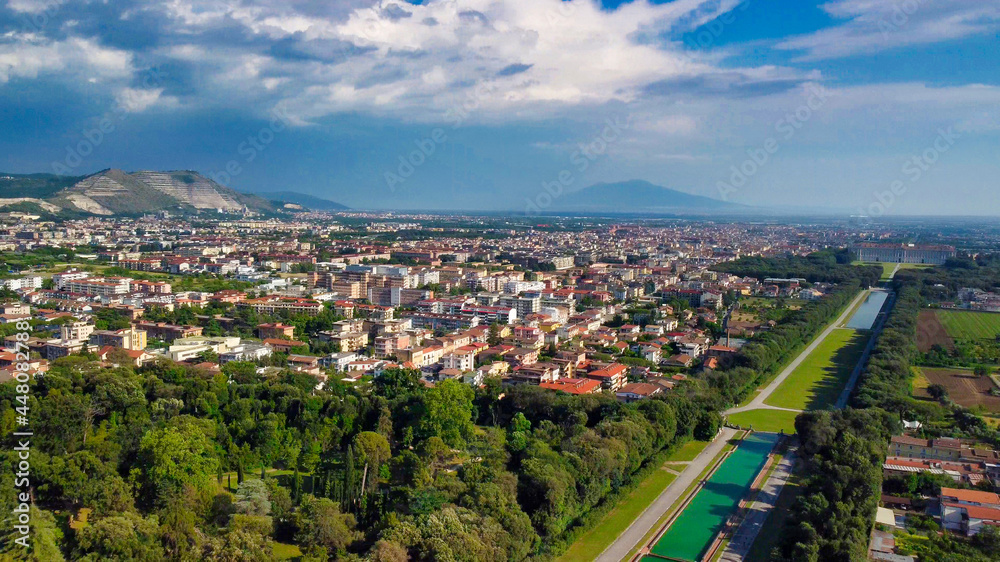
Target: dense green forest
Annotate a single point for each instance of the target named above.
(827, 266)
(841, 455)
(388, 472)
(943, 282)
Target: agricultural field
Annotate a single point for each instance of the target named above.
(962, 325)
(931, 332)
(963, 387)
(959, 337)
(818, 381)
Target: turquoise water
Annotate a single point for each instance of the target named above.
(693, 532)
(864, 317)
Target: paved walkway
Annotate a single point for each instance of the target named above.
(758, 402)
(648, 518)
(741, 541)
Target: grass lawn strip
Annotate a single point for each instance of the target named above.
(688, 451)
(606, 531)
(772, 421)
(819, 380)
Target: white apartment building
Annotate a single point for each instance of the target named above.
(461, 360)
(59, 280)
(104, 287)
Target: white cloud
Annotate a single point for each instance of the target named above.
(24, 55)
(878, 25)
(509, 60)
(34, 6)
(134, 100)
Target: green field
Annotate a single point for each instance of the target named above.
(820, 378)
(962, 325)
(765, 420)
(593, 543)
(688, 451)
(284, 551)
(888, 267)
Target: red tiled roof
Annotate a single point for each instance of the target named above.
(975, 496)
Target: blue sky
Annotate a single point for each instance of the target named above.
(878, 106)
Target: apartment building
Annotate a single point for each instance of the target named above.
(126, 338)
(168, 332)
(612, 378)
(276, 330)
(76, 331)
(99, 286)
(387, 344)
(276, 305)
(969, 511)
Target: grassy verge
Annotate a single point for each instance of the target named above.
(596, 516)
(688, 452)
(595, 541)
(605, 531)
(771, 421)
(770, 376)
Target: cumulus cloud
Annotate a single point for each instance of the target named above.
(510, 60)
(29, 56)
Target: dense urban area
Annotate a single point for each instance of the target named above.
(389, 387)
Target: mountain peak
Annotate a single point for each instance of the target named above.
(638, 196)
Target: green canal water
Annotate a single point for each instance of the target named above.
(693, 532)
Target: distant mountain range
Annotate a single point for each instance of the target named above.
(308, 201)
(638, 196)
(114, 192)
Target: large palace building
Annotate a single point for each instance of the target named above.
(903, 253)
